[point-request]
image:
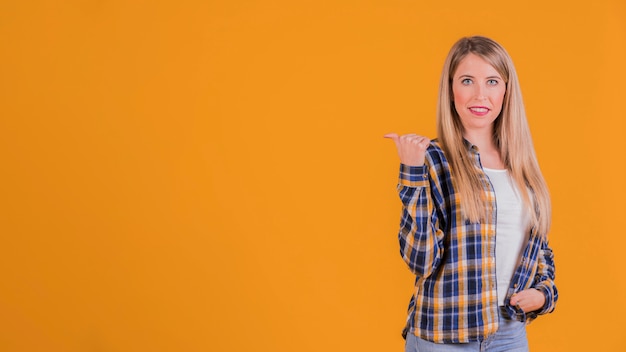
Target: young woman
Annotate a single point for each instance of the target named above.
(475, 212)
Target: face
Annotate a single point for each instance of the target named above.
(478, 91)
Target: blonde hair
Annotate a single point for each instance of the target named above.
(511, 136)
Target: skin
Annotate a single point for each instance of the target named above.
(478, 92)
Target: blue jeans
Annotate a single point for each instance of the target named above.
(510, 337)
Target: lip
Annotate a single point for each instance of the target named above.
(479, 110)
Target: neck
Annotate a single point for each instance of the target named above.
(489, 153)
(482, 139)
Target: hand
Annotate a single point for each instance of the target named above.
(528, 300)
(411, 148)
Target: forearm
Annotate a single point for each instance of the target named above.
(544, 279)
(419, 239)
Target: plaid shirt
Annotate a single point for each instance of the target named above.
(455, 298)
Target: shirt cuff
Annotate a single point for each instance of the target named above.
(413, 176)
(548, 305)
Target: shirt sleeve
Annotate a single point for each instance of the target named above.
(421, 242)
(544, 278)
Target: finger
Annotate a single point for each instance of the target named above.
(517, 298)
(514, 300)
(393, 136)
(420, 141)
(416, 138)
(517, 304)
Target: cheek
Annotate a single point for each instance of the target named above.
(459, 99)
(458, 102)
(456, 96)
(457, 107)
(502, 97)
(498, 100)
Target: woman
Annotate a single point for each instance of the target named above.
(476, 212)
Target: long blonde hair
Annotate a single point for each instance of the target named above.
(511, 136)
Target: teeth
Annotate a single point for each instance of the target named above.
(479, 109)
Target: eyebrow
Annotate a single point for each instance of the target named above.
(488, 77)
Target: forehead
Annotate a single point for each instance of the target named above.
(475, 66)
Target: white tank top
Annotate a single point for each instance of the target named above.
(511, 228)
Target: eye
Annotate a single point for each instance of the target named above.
(466, 81)
(492, 82)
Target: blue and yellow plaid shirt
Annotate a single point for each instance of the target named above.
(454, 261)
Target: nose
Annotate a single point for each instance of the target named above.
(480, 91)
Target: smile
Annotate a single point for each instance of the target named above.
(479, 110)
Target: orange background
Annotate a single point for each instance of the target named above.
(211, 175)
